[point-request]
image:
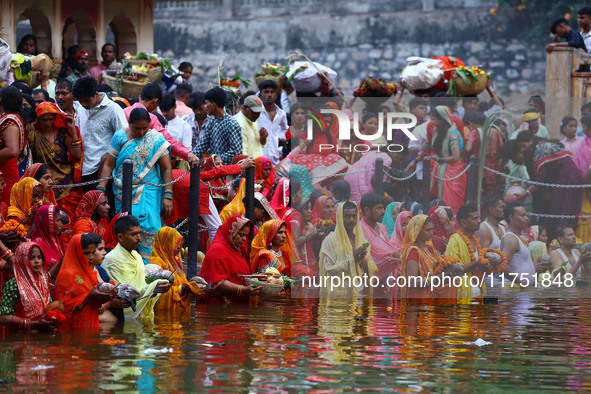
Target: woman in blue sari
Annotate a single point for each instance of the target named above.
(150, 154)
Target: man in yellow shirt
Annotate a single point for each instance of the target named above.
(253, 139)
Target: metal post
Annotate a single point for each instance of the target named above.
(378, 179)
(249, 204)
(426, 183)
(127, 187)
(193, 220)
(471, 189)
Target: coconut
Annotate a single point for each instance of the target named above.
(106, 287)
(128, 292)
(545, 259)
(456, 269)
(166, 275)
(202, 283)
(494, 259)
(152, 270)
(586, 247)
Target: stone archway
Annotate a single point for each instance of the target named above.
(79, 29)
(125, 35)
(41, 28)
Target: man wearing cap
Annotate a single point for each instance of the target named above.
(531, 123)
(80, 65)
(253, 139)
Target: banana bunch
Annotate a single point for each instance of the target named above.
(144, 68)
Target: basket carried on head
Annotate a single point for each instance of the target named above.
(262, 78)
(477, 85)
(267, 289)
(126, 88)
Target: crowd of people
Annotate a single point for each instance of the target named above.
(63, 235)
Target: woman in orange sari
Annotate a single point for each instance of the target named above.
(77, 284)
(56, 142)
(264, 174)
(166, 253)
(92, 213)
(272, 246)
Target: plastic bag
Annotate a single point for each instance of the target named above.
(308, 80)
(421, 73)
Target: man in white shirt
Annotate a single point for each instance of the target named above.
(253, 139)
(104, 118)
(584, 22)
(273, 119)
(198, 118)
(177, 128)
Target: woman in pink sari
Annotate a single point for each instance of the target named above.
(400, 229)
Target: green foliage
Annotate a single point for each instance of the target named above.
(534, 17)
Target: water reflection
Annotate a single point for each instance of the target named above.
(539, 341)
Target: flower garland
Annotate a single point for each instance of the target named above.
(14, 225)
(504, 262)
(473, 260)
(443, 263)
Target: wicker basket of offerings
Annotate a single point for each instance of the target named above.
(468, 82)
(125, 87)
(267, 289)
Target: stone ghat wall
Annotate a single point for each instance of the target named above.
(354, 38)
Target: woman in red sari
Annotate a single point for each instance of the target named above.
(13, 138)
(77, 284)
(92, 213)
(443, 226)
(26, 296)
(264, 174)
(46, 232)
(226, 259)
(272, 246)
(324, 209)
(56, 141)
(110, 238)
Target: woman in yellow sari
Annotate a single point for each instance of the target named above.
(25, 197)
(236, 206)
(166, 253)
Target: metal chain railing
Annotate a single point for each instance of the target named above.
(549, 216)
(402, 179)
(343, 173)
(455, 177)
(558, 186)
(141, 180)
(227, 186)
(83, 183)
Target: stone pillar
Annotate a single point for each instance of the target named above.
(101, 30)
(56, 31)
(227, 9)
(8, 23)
(428, 5)
(145, 26)
(558, 88)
